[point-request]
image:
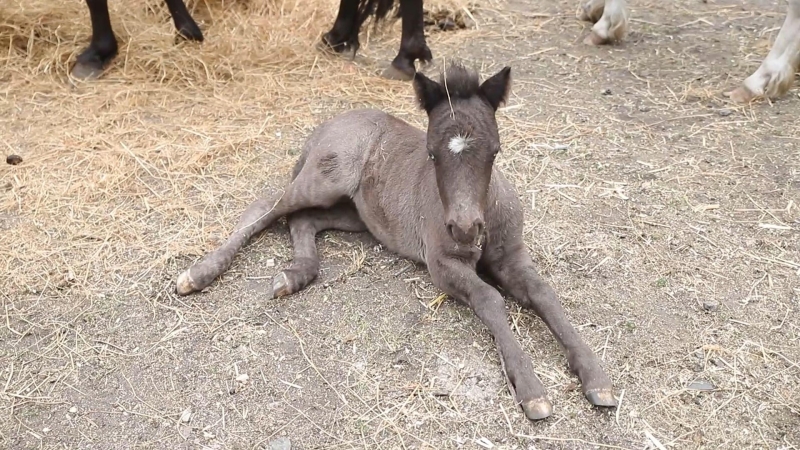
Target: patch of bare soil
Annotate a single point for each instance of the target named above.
(666, 218)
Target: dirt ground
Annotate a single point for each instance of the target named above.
(666, 218)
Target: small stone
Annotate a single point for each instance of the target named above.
(271, 262)
(13, 159)
(281, 443)
(45, 430)
(606, 92)
(724, 112)
(73, 410)
(242, 378)
(701, 386)
(447, 24)
(186, 416)
(710, 305)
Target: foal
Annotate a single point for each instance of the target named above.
(435, 199)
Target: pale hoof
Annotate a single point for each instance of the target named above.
(742, 95)
(280, 286)
(537, 409)
(595, 39)
(86, 72)
(393, 73)
(185, 284)
(602, 397)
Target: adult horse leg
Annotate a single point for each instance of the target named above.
(412, 43)
(184, 22)
(610, 18)
(775, 75)
(304, 226)
(511, 266)
(343, 36)
(460, 281)
(307, 190)
(103, 46)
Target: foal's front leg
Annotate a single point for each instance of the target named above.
(460, 281)
(511, 266)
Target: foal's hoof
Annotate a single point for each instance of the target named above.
(87, 71)
(185, 284)
(393, 73)
(602, 397)
(280, 286)
(537, 409)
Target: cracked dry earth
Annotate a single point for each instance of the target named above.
(666, 218)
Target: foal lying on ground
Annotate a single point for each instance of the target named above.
(435, 199)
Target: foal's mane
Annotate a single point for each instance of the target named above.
(460, 82)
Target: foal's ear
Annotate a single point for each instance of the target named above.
(429, 93)
(496, 88)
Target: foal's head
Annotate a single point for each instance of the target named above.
(463, 142)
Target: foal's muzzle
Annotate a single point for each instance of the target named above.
(465, 232)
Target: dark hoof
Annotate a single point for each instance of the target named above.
(393, 73)
(280, 286)
(190, 32)
(602, 397)
(537, 409)
(347, 52)
(87, 71)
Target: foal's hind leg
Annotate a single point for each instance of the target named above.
(511, 266)
(307, 190)
(304, 226)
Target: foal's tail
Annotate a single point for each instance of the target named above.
(377, 8)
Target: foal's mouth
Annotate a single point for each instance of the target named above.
(476, 244)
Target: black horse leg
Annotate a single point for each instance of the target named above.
(184, 22)
(103, 46)
(343, 37)
(412, 43)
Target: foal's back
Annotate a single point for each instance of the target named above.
(380, 162)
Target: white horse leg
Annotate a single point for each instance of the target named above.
(610, 19)
(775, 75)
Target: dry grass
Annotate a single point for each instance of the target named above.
(647, 207)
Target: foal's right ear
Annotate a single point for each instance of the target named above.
(429, 93)
(496, 88)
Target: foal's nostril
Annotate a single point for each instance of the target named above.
(450, 229)
(478, 225)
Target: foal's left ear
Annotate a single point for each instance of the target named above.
(429, 93)
(496, 88)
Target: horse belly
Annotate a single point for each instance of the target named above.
(392, 232)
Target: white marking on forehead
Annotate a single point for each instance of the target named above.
(459, 143)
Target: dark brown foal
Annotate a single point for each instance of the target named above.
(434, 198)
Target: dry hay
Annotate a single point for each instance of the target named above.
(165, 131)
